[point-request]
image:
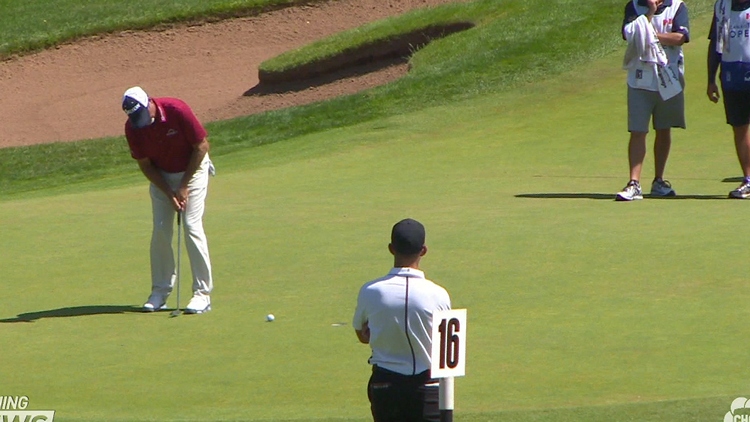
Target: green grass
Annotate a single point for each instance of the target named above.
(31, 25)
(580, 308)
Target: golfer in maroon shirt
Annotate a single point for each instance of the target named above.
(171, 148)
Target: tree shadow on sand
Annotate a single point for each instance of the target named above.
(74, 311)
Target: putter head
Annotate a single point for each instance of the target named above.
(175, 313)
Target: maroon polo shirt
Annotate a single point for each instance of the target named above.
(169, 141)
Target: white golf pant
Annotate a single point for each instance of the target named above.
(163, 274)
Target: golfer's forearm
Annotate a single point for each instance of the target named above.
(154, 176)
(199, 153)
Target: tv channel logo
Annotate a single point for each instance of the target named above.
(15, 409)
(739, 411)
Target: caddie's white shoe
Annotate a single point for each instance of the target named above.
(632, 191)
(198, 304)
(155, 302)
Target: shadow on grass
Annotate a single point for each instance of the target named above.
(697, 409)
(610, 196)
(74, 311)
(733, 179)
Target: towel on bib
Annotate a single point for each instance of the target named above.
(645, 52)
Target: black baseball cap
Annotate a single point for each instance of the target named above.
(407, 237)
(135, 105)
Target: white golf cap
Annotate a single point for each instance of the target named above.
(135, 104)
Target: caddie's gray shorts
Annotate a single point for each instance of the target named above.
(642, 104)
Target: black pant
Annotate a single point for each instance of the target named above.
(402, 398)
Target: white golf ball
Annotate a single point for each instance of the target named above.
(270, 317)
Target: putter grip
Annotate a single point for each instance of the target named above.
(179, 214)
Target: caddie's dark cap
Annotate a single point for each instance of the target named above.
(135, 105)
(407, 237)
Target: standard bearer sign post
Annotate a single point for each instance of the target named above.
(448, 355)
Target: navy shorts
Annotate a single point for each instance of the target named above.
(737, 107)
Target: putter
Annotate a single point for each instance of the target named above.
(177, 311)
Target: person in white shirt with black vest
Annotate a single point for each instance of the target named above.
(659, 28)
(394, 316)
(729, 47)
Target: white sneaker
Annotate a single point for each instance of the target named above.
(198, 304)
(742, 191)
(155, 302)
(661, 187)
(632, 191)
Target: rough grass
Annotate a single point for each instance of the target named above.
(26, 26)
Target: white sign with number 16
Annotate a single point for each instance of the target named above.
(448, 343)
